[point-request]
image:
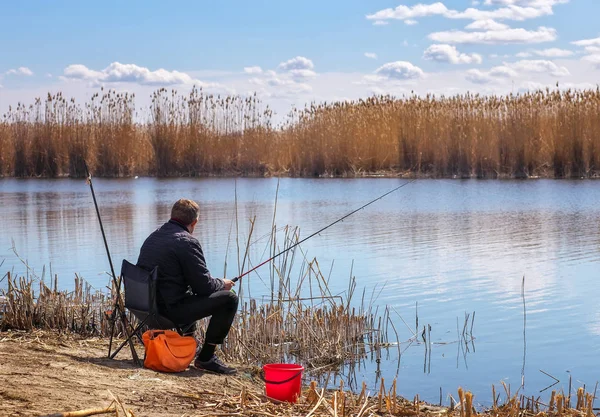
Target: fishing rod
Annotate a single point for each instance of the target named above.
(319, 231)
(117, 284)
(89, 181)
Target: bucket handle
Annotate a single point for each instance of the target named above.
(280, 382)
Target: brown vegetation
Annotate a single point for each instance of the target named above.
(543, 133)
(280, 330)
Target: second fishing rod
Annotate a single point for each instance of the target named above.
(320, 230)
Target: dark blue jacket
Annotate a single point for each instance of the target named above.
(181, 264)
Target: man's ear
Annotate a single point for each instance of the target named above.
(194, 223)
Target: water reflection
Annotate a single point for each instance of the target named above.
(450, 246)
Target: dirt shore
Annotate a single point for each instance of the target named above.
(43, 373)
(46, 373)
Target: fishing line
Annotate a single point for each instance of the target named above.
(321, 230)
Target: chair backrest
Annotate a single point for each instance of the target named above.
(140, 295)
(140, 287)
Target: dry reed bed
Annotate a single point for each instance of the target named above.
(321, 402)
(322, 336)
(543, 133)
(78, 311)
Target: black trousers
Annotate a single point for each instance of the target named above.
(221, 305)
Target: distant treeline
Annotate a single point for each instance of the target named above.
(549, 133)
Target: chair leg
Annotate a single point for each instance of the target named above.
(118, 307)
(136, 359)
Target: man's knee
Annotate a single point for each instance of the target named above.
(232, 300)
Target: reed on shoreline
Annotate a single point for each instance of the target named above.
(325, 335)
(549, 133)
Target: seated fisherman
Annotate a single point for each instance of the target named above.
(186, 292)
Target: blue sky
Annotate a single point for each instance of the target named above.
(333, 49)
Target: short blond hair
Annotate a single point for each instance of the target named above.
(185, 211)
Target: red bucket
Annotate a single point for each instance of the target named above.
(283, 381)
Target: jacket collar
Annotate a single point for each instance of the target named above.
(178, 223)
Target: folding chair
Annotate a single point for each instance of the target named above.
(140, 300)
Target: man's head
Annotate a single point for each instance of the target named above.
(186, 212)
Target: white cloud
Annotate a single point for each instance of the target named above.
(20, 71)
(302, 73)
(400, 70)
(276, 81)
(291, 79)
(381, 23)
(594, 59)
(587, 42)
(592, 49)
(533, 85)
(529, 3)
(449, 53)
(299, 88)
(506, 36)
(329, 85)
(257, 81)
(410, 22)
(81, 72)
(298, 63)
(506, 13)
(496, 74)
(253, 70)
(487, 24)
(546, 53)
(131, 73)
(510, 12)
(503, 71)
(540, 66)
(371, 55)
(298, 67)
(406, 12)
(515, 70)
(478, 77)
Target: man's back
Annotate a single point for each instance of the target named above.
(180, 261)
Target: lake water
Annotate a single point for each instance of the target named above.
(453, 246)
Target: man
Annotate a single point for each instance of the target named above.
(186, 292)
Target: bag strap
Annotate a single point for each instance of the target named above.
(155, 333)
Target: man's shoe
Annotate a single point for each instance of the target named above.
(214, 364)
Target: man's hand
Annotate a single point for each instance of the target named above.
(228, 284)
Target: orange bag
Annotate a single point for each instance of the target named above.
(167, 351)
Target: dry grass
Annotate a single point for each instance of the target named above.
(543, 133)
(323, 337)
(78, 311)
